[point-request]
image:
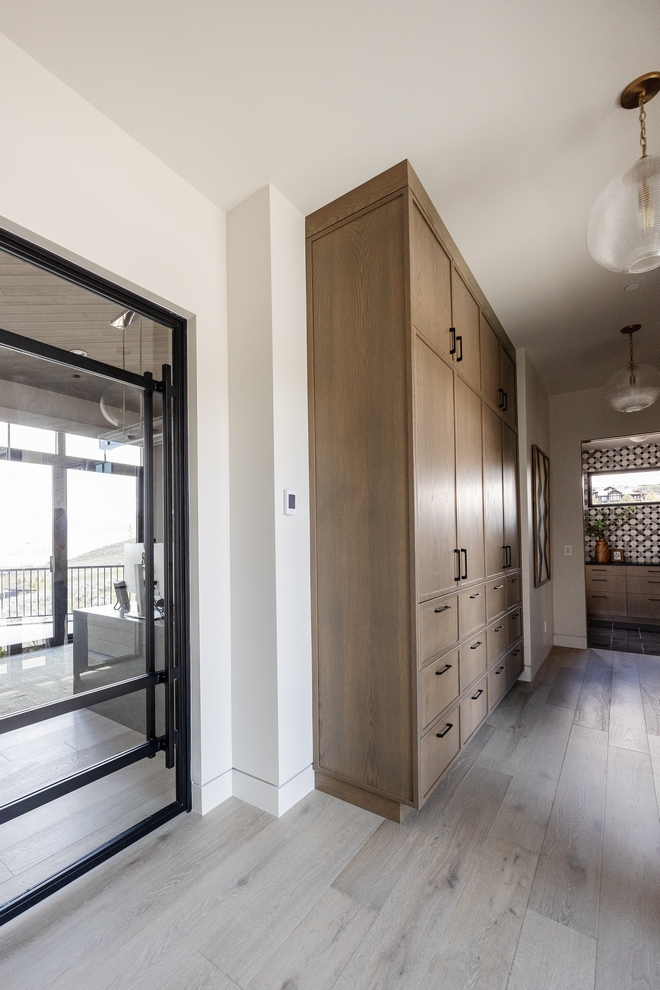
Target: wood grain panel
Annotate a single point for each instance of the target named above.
(645, 606)
(495, 598)
(357, 199)
(474, 709)
(439, 686)
(497, 683)
(513, 590)
(437, 625)
(490, 363)
(552, 957)
(639, 584)
(471, 610)
(434, 474)
(431, 283)
(496, 639)
(466, 322)
(438, 748)
(493, 496)
(627, 722)
(515, 662)
(607, 582)
(472, 660)
(508, 380)
(469, 479)
(361, 502)
(510, 493)
(606, 603)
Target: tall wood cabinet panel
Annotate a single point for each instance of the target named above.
(510, 493)
(490, 363)
(508, 380)
(404, 470)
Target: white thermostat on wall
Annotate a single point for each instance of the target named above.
(289, 502)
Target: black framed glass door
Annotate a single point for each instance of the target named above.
(94, 719)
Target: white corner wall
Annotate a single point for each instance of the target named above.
(574, 417)
(72, 181)
(270, 554)
(533, 428)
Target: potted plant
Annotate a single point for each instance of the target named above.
(602, 525)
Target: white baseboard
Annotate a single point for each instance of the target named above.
(206, 797)
(574, 642)
(275, 800)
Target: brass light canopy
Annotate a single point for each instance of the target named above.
(623, 232)
(636, 386)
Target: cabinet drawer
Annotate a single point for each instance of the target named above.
(512, 582)
(606, 603)
(602, 569)
(513, 627)
(474, 709)
(515, 661)
(471, 610)
(473, 660)
(438, 626)
(495, 598)
(497, 683)
(647, 569)
(438, 748)
(439, 686)
(606, 582)
(496, 640)
(644, 606)
(644, 583)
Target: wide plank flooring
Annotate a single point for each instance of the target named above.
(534, 866)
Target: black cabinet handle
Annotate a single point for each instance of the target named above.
(478, 595)
(497, 587)
(500, 670)
(475, 696)
(450, 725)
(506, 401)
(457, 570)
(498, 628)
(476, 645)
(464, 576)
(515, 653)
(505, 558)
(501, 402)
(599, 596)
(444, 670)
(459, 340)
(515, 615)
(452, 348)
(444, 608)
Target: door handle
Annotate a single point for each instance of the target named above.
(450, 725)
(459, 339)
(475, 696)
(464, 576)
(443, 609)
(504, 565)
(457, 570)
(501, 402)
(452, 347)
(506, 401)
(444, 670)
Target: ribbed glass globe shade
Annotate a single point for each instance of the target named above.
(631, 391)
(623, 233)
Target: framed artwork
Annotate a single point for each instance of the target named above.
(541, 496)
(617, 556)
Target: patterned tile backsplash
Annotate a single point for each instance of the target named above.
(638, 536)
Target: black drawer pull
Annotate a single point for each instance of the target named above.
(452, 348)
(479, 692)
(500, 670)
(513, 580)
(500, 404)
(464, 576)
(444, 670)
(654, 582)
(506, 401)
(459, 339)
(476, 645)
(498, 628)
(457, 554)
(444, 608)
(514, 653)
(515, 615)
(450, 725)
(478, 594)
(600, 580)
(599, 596)
(496, 587)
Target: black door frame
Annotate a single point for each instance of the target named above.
(178, 675)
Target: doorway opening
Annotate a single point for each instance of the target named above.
(94, 696)
(621, 496)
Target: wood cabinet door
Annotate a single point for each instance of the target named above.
(435, 522)
(493, 498)
(510, 494)
(466, 323)
(490, 363)
(430, 283)
(469, 482)
(508, 380)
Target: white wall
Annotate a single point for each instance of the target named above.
(270, 555)
(574, 417)
(72, 181)
(533, 428)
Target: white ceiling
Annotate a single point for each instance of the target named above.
(507, 110)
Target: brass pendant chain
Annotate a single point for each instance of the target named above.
(642, 123)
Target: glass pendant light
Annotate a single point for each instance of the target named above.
(634, 387)
(623, 233)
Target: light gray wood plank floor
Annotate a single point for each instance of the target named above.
(534, 866)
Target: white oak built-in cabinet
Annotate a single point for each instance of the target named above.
(416, 582)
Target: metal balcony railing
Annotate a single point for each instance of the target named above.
(27, 592)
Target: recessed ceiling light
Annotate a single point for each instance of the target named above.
(76, 350)
(632, 286)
